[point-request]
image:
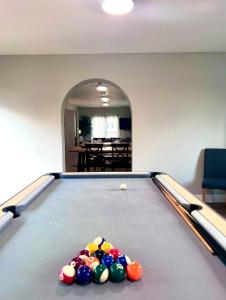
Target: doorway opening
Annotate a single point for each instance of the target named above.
(97, 128)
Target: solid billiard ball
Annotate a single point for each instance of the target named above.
(84, 254)
(99, 241)
(77, 262)
(134, 271)
(101, 274)
(99, 254)
(106, 247)
(92, 248)
(108, 261)
(123, 186)
(117, 273)
(92, 262)
(115, 253)
(84, 275)
(123, 260)
(67, 274)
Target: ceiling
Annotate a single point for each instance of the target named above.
(80, 26)
(88, 96)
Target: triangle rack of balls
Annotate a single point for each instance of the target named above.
(99, 262)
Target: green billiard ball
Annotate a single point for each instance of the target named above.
(117, 272)
(101, 273)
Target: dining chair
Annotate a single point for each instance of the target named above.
(120, 158)
(94, 156)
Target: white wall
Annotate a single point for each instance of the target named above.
(178, 108)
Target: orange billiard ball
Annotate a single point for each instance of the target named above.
(92, 262)
(134, 271)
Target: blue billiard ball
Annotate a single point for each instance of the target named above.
(107, 260)
(124, 260)
(84, 275)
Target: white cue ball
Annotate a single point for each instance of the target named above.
(123, 186)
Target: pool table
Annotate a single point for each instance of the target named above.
(179, 240)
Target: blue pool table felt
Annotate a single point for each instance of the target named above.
(71, 212)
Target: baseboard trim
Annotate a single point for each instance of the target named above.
(213, 198)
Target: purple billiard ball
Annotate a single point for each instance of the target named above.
(77, 262)
(107, 260)
(84, 254)
(84, 275)
(124, 260)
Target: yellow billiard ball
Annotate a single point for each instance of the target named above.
(92, 248)
(106, 247)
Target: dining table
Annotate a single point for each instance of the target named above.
(81, 150)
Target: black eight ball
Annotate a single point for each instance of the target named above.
(99, 254)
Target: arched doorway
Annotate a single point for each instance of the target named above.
(96, 111)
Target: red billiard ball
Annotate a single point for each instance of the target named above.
(67, 274)
(77, 262)
(115, 253)
(134, 271)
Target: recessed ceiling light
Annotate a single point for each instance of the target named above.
(105, 104)
(117, 7)
(101, 88)
(104, 99)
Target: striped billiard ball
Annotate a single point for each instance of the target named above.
(77, 262)
(106, 247)
(67, 274)
(124, 260)
(84, 254)
(99, 241)
(101, 274)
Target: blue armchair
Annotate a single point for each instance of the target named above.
(214, 170)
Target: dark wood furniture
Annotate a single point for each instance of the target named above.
(120, 158)
(80, 151)
(94, 156)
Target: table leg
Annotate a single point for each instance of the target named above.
(79, 166)
(82, 167)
